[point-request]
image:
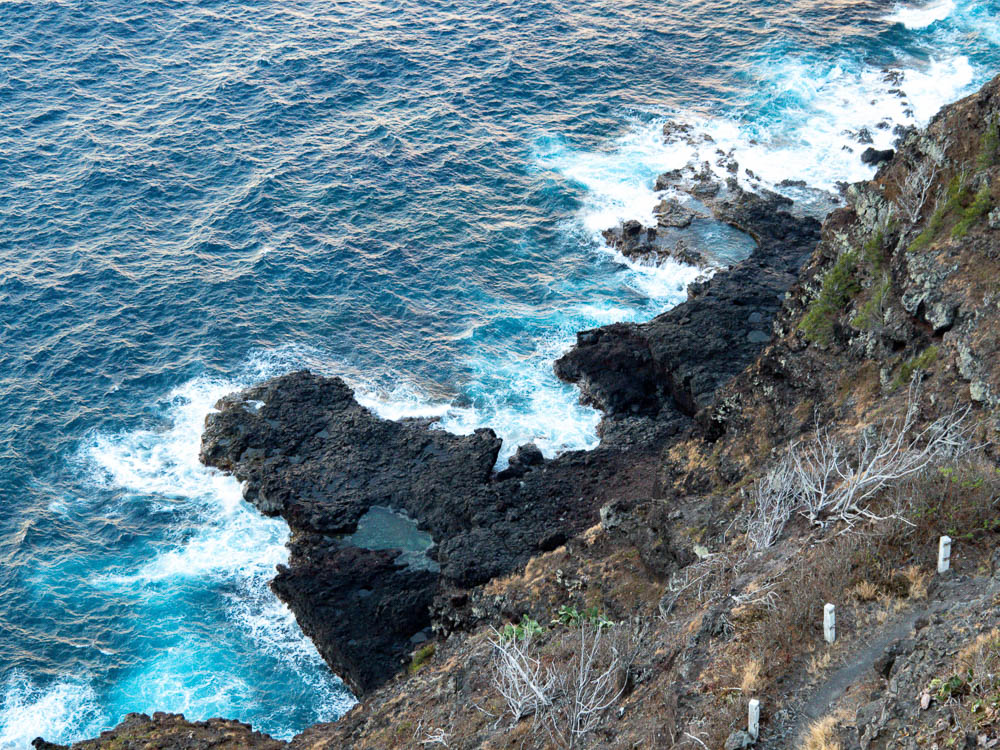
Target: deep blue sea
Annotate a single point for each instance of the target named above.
(196, 195)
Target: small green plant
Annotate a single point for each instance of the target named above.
(989, 145)
(957, 194)
(527, 628)
(921, 361)
(870, 314)
(839, 286)
(420, 657)
(572, 617)
(874, 251)
(979, 207)
(945, 689)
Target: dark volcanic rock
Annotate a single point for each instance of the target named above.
(339, 594)
(628, 379)
(162, 730)
(685, 354)
(311, 454)
(672, 214)
(524, 459)
(648, 244)
(874, 156)
(307, 451)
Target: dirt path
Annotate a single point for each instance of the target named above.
(820, 699)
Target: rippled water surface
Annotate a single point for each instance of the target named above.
(197, 195)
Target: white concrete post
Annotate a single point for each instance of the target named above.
(753, 718)
(944, 554)
(830, 623)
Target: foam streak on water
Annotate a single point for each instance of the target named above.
(819, 108)
(916, 17)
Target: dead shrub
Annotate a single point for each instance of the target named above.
(567, 680)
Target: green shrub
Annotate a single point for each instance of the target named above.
(591, 616)
(957, 194)
(989, 145)
(526, 628)
(979, 207)
(874, 250)
(870, 314)
(421, 656)
(839, 286)
(921, 361)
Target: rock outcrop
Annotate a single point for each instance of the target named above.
(680, 358)
(305, 450)
(163, 730)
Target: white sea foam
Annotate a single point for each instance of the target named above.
(618, 182)
(666, 282)
(404, 401)
(524, 403)
(227, 543)
(812, 107)
(823, 104)
(61, 711)
(916, 17)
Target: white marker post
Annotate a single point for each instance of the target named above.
(944, 554)
(830, 623)
(753, 718)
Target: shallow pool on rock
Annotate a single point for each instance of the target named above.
(384, 528)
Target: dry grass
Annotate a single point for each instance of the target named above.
(886, 608)
(865, 591)
(918, 578)
(822, 735)
(752, 678)
(985, 650)
(819, 662)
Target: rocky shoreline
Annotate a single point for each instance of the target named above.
(814, 330)
(306, 451)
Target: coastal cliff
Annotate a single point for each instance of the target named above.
(701, 539)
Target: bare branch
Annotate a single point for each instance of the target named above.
(915, 188)
(521, 679)
(436, 737)
(823, 480)
(568, 697)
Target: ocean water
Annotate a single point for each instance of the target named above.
(408, 193)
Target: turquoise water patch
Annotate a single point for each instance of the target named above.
(384, 528)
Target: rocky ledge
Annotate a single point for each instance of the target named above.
(680, 358)
(305, 450)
